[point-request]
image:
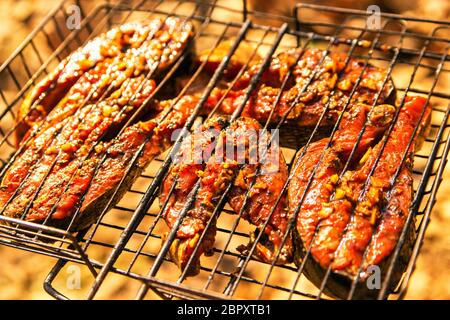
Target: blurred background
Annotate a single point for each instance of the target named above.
(22, 273)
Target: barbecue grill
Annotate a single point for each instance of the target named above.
(126, 240)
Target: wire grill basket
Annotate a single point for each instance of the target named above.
(126, 240)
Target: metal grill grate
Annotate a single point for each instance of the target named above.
(126, 240)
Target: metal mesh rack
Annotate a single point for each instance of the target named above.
(126, 241)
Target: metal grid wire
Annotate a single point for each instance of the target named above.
(127, 240)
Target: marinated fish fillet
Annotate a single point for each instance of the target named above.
(107, 76)
(220, 169)
(309, 105)
(44, 134)
(305, 113)
(115, 165)
(47, 93)
(70, 141)
(312, 209)
(106, 118)
(332, 85)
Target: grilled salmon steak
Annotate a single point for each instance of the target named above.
(382, 204)
(332, 84)
(76, 114)
(303, 108)
(227, 169)
(328, 90)
(120, 162)
(330, 158)
(255, 193)
(340, 213)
